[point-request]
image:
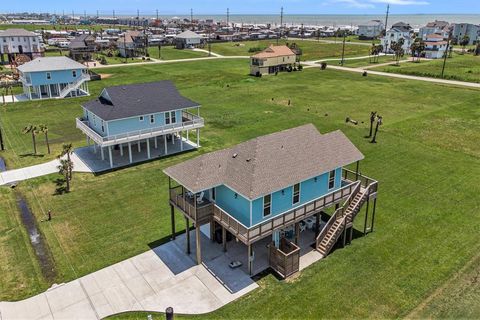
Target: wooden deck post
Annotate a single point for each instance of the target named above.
(250, 261)
(121, 150)
(130, 152)
(356, 170)
(187, 222)
(172, 217)
(224, 239)
(373, 213)
(351, 234)
(297, 233)
(366, 219)
(110, 156)
(317, 224)
(198, 243)
(212, 230)
(165, 143)
(344, 236)
(148, 148)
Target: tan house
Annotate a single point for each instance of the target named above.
(272, 60)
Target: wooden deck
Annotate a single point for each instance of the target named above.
(266, 228)
(197, 213)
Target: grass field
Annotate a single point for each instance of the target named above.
(357, 63)
(170, 53)
(312, 50)
(426, 160)
(464, 67)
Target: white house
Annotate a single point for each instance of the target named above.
(435, 46)
(439, 27)
(394, 35)
(14, 42)
(187, 39)
(461, 30)
(370, 30)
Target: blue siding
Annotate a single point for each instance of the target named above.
(134, 124)
(59, 76)
(238, 207)
(309, 190)
(95, 125)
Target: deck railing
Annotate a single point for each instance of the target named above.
(198, 213)
(196, 122)
(286, 259)
(265, 228)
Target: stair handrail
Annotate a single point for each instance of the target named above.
(73, 85)
(339, 213)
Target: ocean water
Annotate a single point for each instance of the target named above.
(415, 20)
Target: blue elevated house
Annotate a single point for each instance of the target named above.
(153, 116)
(53, 77)
(271, 192)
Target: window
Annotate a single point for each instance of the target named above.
(152, 118)
(49, 76)
(170, 117)
(24, 39)
(267, 205)
(74, 73)
(94, 122)
(140, 118)
(296, 194)
(103, 126)
(331, 179)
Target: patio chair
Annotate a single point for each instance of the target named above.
(200, 198)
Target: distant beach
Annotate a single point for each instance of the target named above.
(415, 20)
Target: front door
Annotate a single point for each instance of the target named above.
(20, 49)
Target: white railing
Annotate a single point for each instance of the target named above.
(197, 122)
(74, 85)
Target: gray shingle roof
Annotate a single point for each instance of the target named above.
(17, 33)
(50, 64)
(268, 163)
(139, 99)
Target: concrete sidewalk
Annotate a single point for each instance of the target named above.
(152, 281)
(14, 175)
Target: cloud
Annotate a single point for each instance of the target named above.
(355, 3)
(402, 2)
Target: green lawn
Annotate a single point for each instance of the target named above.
(357, 63)
(170, 53)
(426, 160)
(312, 50)
(351, 39)
(464, 67)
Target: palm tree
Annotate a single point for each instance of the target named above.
(397, 47)
(33, 130)
(67, 150)
(464, 42)
(44, 129)
(64, 169)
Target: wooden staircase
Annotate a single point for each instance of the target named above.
(343, 217)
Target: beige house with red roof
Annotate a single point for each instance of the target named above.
(435, 46)
(271, 60)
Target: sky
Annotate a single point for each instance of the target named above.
(182, 7)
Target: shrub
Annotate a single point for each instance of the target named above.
(255, 49)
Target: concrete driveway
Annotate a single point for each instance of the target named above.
(152, 281)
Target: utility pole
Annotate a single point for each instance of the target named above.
(113, 14)
(386, 22)
(157, 14)
(281, 25)
(446, 52)
(228, 17)
(2, 147)
(343, 47)
(97, 14)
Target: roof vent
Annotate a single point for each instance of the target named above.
(235, 155)
(248, 160)
(281, 147)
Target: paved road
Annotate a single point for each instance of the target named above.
(310, 64)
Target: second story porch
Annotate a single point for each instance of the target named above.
(189, 121)
(201, 208)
